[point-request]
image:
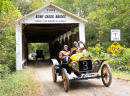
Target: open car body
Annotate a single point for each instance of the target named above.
(81, 66)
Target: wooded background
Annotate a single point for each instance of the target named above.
(102, 16)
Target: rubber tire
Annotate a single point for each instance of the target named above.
(66, 78)
(110, 75)
(54, 76)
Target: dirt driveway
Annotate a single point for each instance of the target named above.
(92, 87)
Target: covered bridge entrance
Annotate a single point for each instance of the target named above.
(49, 24)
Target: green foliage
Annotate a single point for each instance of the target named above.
(32, 47)
(64, 4)
(4, 70)
(8, 16)
(119, 74)
(109, 14)
(27, 6)
(97, 52)
(121, 62)
(9, 13)
(102, 16)
(118, 62)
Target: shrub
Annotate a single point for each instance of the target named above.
(97, 52)
(4, 70)
(118, 62)
(121, 62)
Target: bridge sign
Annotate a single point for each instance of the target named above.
(115, 48)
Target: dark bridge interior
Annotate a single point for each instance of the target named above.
(55, 34)
(36, 33)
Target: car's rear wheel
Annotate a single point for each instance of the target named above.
(54, 75)
(106, 75)
(65, 79)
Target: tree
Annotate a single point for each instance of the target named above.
(27, 6)
(109, 14)
(8, 16)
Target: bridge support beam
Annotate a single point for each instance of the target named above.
(19, 47)
(82, 33)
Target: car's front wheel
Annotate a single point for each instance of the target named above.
(106, 75)
(54, 75)
(65, 79)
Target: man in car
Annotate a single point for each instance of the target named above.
(77, 49)
(64, 55)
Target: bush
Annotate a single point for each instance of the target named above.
(118, 62)
(97, 52)
(8, 16)
(4, 70)
(121, 62)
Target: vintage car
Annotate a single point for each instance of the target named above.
(39, 54)
(83, 68)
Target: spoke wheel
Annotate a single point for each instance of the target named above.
(65, 80)
(106, 75)
(54, 75)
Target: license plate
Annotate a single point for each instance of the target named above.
(85, 65)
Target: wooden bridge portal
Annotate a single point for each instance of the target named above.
(49, 24)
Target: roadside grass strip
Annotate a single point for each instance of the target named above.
(21, 83)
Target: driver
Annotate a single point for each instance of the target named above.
(76, 48)
(64, 55)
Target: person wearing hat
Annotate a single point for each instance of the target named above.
(77, 49)
(64, 55)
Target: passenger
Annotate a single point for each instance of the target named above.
(78, 49)
(64, 55)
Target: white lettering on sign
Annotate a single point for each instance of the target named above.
(50, 15)
(115, 34)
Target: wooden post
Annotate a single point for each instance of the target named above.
(57, 39)
(27, 51)
(68, 43)
(72, 32)
(77, 36)
(60, 40)
(50, 50)
(64, 38)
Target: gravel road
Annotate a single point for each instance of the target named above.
(91, 87)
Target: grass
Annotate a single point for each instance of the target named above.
(121, 75)
(21, 83)
(118, 74)
(124, 75)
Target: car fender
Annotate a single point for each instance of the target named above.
(55, 61)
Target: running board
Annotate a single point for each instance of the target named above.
(86, 78)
